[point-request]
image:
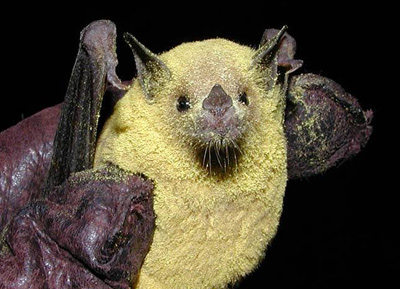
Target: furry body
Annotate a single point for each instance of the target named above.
(211, 228)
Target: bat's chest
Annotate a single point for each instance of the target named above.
(208, 242)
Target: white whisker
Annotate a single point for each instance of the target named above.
(204, 156)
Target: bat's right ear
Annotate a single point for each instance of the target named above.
(152, 71)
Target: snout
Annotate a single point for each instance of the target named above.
(218, 101)
(219, 118)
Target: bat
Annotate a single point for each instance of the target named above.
(184, 186)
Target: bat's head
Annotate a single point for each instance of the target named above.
(210, 92)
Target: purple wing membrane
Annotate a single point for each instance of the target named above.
(93, 231)
(63, 224)
(324, 125)
(25, 153)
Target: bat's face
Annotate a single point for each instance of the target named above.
(207, 105)
(211, 98)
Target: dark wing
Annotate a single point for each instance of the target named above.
(90, 228)
(25, 153)
(26, 148)
(93, 231)
(324, 125)
(94, 69)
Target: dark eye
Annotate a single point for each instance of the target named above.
(183, 104)
(243, 98)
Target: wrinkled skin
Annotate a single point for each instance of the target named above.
(324, 125)
(25, 154)
(102, 220)
(64, 225)
(63, 228)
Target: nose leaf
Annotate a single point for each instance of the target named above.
(217, 101)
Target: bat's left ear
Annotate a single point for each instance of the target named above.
(275, 56)
(152, 71)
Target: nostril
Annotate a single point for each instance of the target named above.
(217, 100)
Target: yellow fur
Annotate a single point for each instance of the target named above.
(210, 229)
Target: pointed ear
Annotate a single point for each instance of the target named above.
(265, 59)
(275, 56)
(152, 72)
(286, 52)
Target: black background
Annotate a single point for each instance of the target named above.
(337, 229)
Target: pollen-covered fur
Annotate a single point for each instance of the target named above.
(220, 174)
